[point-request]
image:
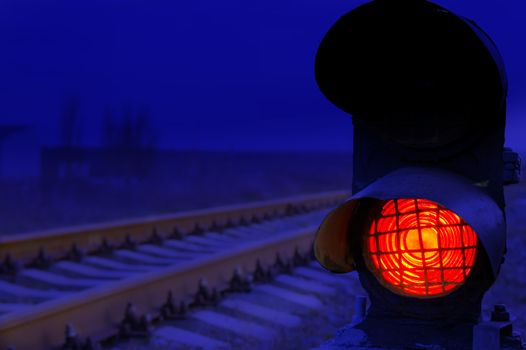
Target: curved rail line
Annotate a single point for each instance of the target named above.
(85, 276)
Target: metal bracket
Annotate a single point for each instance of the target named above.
(512, 167)
(497, 333)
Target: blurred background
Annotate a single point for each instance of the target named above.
(112, 109)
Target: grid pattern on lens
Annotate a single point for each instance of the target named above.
(419, 248)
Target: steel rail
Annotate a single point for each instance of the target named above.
(57, 244)
(96, 312)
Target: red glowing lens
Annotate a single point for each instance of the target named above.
(417, 247)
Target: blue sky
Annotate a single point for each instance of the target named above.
(230, 75)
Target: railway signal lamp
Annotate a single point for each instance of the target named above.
(425, 228)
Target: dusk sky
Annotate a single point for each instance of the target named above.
(230, 75)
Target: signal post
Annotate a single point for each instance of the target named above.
(425, 228)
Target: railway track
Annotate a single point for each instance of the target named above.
(85, 277)
(297, 309)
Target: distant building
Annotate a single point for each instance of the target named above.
(19, 152)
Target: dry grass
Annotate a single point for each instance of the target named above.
(188, 182)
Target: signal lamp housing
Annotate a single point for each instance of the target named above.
(419, 234)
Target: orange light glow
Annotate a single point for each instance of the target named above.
(416, 247)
